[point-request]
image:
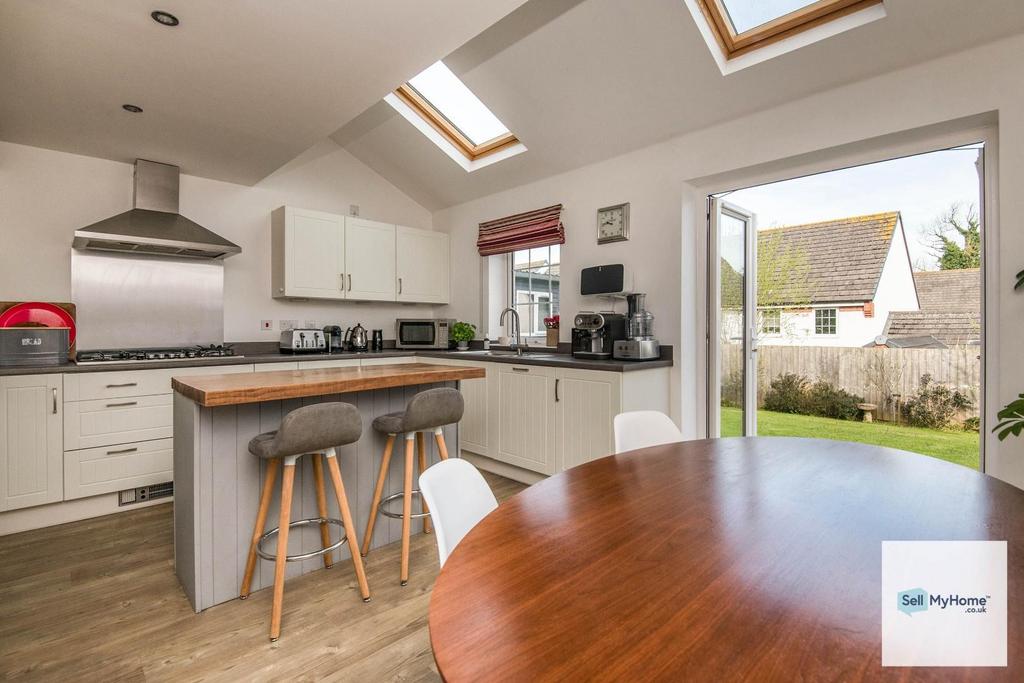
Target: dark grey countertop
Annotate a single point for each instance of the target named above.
(263, 352)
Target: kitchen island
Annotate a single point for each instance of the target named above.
(217, 482)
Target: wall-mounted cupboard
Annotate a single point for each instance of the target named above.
(318, 255)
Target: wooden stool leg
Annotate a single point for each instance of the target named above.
(421, 447)
(350, 526)
(377, 492)
(287, 481)
(261, 522)
(407, 508)
(442, 449)
(321, 504)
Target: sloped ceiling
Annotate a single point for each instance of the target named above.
(580, 81)
(234, 92)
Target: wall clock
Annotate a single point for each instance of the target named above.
(613, 223)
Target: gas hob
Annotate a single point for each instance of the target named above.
(155, 355)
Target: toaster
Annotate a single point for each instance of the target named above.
(303, 340)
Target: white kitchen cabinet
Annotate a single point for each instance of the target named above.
(523, 399)
(309, 254)
(90, 424)
(369, 260)
(475, 429)
(422, 265)
(332, 363)
(587, 402)
(391, 360)
(94, 471)
(31, 443)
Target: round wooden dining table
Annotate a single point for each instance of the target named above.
(716, 560)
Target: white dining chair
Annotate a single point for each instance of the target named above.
(458, 498)
(643, 428)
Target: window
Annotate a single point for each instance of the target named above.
(442, 100)
(741, 26)
(824, 321)
(771, 321)
(534, 291)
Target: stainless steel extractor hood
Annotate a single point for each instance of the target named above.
(154, 225)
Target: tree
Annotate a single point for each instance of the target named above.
(957, 224)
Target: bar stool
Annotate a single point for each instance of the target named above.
(311, 430)
(428, 410)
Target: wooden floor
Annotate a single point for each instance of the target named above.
(98, 600)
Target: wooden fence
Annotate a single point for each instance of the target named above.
(883, 376)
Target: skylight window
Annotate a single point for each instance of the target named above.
(444, 102)
(743, 26)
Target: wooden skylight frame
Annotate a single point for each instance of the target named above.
(439, 122)
(736, 44)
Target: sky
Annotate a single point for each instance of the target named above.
(921, 187)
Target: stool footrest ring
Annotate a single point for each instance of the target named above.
(303, 556)
(398, 515)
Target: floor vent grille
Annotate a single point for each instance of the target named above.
(144, 493)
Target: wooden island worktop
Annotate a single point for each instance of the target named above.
(217, 482)
(236, 389)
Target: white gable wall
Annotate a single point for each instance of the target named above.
(896, 290)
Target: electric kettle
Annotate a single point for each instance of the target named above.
(356, 338)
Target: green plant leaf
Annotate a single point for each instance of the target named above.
(1020, 280)
(1012, 419)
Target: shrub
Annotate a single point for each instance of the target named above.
(972, 424)
(732, 390)
(786, 394)
(934, 405)
(791, 393)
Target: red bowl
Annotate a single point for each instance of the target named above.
(38, 313)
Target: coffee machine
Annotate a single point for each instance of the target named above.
(593, 334)
(639, 343)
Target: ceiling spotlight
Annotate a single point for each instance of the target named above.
(165, 18)
(133, 108)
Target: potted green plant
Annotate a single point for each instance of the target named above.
(463, 333)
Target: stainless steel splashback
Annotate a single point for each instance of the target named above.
(146, 301)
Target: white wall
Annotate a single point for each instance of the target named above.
(852, 328)
(667, 183)
(896, 289)
(45, 195)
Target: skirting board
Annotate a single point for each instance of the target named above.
(503, 469)
(27, 519)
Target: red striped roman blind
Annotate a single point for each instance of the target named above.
(538, 228)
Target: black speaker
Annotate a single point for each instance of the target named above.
(602, 279)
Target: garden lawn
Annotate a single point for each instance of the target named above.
(956, 447)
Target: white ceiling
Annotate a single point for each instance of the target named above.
(580, 81)
(235, 91)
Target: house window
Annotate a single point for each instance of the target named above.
(771, 321)
(443, 101)
(824, 321)
(741, 26)
(534, 289)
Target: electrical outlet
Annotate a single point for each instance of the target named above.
(353, 209)
(266, 325)
(285, 325)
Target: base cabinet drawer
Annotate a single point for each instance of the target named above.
(90, 424)
(93, 471)
(333, 363)
(393, 360)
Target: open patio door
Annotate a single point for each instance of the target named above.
(732, 320)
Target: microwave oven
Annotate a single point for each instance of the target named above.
(423, 333)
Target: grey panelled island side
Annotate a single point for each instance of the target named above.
(217, 482)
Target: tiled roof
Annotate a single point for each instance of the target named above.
(951, 328)
(950, 308)
(949, 290)
(843, 257)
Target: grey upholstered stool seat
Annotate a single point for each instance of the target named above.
(428, 410)
(314, 430)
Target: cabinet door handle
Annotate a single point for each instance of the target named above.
(399, 285)
(557, 398)
(520, 369)
(55, 400)
(350, 282)
(126, 384)
(341, 287)
(121, 405)
(123, 450)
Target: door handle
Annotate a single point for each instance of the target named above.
(126, 384)
(341, 286)
(123, 450)
(399, 285)
(121, 405)
(55, 400)
(520, 369)
(557, 398)
(350, 282)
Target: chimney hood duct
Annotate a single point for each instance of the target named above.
(154, 225)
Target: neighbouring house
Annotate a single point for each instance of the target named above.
(833, 283)
(949, 314)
